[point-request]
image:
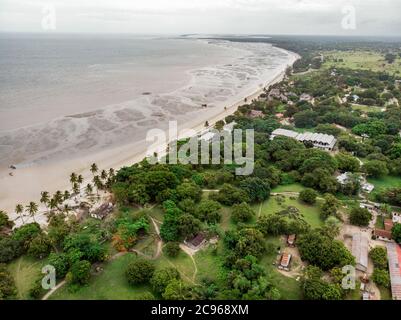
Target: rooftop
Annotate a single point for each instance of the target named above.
(360, 247)
(394, 262)
(285, 259)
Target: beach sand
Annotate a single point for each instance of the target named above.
(28, 181)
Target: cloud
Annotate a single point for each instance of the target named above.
(204, 16)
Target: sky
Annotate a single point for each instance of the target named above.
(320, 17)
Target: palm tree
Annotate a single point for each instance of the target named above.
(94, 168)
(45, 198)
(111, 172)
(73, 178)
(19, 209)
(59, 197)
(66, 209)
(53, 204)
(89, 189)
(98, 184)
(103, 175)
(80, 179)
(76, 189)
(66, 195)
(32, 209)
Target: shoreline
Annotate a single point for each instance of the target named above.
(27, 183)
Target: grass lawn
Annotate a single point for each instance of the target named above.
(25, 271)
(364, 108)
(384, 183)
(367, 60)
(289, 288)
(295, 187)
(385, 293)
(311, 214)
(111, 284)
(209, 263)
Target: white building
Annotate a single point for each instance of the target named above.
(396, 217)
(319, 140)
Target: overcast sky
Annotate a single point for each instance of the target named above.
(373, 17)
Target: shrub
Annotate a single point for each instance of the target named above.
(139, 271)
(172, 249)
(308, 196)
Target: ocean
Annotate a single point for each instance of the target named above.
(65, 95)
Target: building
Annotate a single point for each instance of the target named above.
(367, 187)
(285, 262)
(207, 136)
(306, 97)
(283, 133)
(256, 114)
(396, 217)
(196, 242)
(103, 211)
(394, 264)
(388, 224)
(382, 234)
(319, 140)
(291, 240)
(343, 178)
(360, 248)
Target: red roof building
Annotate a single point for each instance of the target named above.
(388, 224)
(382, 234)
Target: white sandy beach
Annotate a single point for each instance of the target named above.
(51, 171)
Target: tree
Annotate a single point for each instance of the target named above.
(32, 209)
(7, 285)
(5, 221)
(250, 242)
(10, 249)
(19, 209)
(272, 224)
(381, 277)
(139, 271)
(242, 212)
(89, 189)
(44, 198)
(332, 227)
(396, 232)
(229, 195)
(323, 251)
(390, 57)
(347, 162)
(330, 206)
(162, 277)
(94, 168)
(315, 288)
(40, 246)
(209, 211)
(257, 189)
(188, 190)
(308, 196)
(60, 262)
(73, 178)
(379, 257)
(176, 290)
(375, 168)
(360, 217)
(172, 249)
(79, 273)
(188, 226)
(26, 233)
